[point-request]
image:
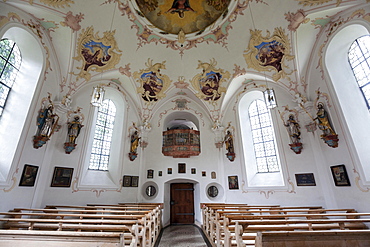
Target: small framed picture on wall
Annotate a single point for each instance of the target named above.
(150, 173)
(29, 175)
(233, 183)
(127, 181)
(62, 177)
(340, 175)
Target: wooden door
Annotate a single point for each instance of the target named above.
(182, 203)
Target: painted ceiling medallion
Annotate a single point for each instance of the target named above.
(208, 83)
(152, 83)
(191, 16)
(97, 53)
(269, 53)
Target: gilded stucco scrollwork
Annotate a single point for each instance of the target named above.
(153, 83)
(96, 53)
(269, 53)
(57, 3)
(208, 84)
(317, 2)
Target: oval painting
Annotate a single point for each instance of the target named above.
(191, 16)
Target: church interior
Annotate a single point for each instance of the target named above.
(184, 104)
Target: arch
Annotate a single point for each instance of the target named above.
(181, 118)
(95, 178)
(14, 117)
(254, 177)
(353, 109)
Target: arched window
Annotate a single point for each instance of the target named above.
(359, 59)
(263, 137)
(100, 152)
(10, 62)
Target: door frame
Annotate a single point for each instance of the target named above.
(167, 197)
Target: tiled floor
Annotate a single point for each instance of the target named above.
(182, 236)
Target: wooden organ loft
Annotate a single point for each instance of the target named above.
(181, 139)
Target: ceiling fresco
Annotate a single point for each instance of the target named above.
(189, 16)
(207, 51)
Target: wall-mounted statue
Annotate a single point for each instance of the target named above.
(229, 143)
(47, 122)
(294, 134)
(134, 141)
(74, 128)
(324, 123)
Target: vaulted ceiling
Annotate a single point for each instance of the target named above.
(204, 50)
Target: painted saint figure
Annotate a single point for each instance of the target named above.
(293, 129)
(323, 120)
(134, 142)
(74, 128)
(46, 121)
(180, 6)
(229, 142)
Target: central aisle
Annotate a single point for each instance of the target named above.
(182, 236)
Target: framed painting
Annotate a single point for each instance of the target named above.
(159, 173)
(182, 167)
(193, 170)
(134, 181)
(169, 170)
(233, 183)
(127, 181)
(150, 173)
(29, 175)
(204, 174)
(305, 179)
(340, 175)
(62, 177)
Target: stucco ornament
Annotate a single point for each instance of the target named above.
(269, 53)
(317, 2)
(96, 53)
(209, 82)
(153, 84)
(295, 20)
(57, 3)
(72, 21)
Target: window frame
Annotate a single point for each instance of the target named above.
(366, 61)
(16, 51)
(102, 120)
(264, 143)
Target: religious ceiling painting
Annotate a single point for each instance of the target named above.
(216, 32)
(96, 53)
(191, 16)
(269, 53)
(209, 82)
(153, 84)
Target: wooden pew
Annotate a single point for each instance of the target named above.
(153, 226)
(342, 238)
(216, 216)
(225, 229)
(25, 238)
(255, 226)
(82, 218)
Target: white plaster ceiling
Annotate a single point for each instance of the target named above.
(181, 63)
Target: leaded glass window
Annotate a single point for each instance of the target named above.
(359, 59)
(263, 137)
(100, 152)
(10, 62)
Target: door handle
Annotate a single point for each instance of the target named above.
(172, 203)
